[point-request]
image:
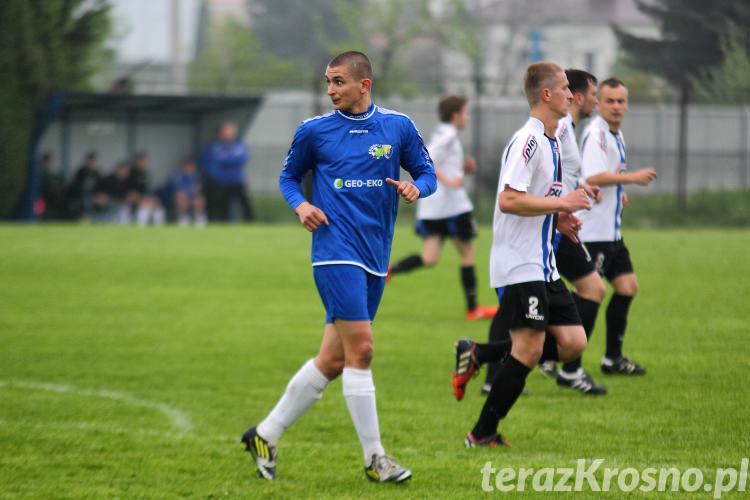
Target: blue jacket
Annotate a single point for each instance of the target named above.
(224, 163)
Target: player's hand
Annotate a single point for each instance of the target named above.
(644, 176)
(594, 192)
(575, 200)
(405, 189)
(624, 199)
(310, 216)
(569, 225)
(470, 165)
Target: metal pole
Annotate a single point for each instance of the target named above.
(174, 46)
(745, 159)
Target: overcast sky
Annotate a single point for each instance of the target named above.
(141, 29)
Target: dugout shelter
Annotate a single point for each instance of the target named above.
(117, 126)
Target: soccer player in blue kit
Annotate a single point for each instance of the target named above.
(355, 153)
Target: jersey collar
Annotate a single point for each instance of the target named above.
(363, 116)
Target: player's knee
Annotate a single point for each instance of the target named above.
(576, 345)
(362, 355)
(330, 367)
(630, 288)
(597, 291)
(528, 352)
(429, 260)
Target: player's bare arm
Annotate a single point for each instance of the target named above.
(643, 177)
(408, 191)
(448, 181)
(310, 216)
(517, 202)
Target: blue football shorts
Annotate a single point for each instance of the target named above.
(348, 292)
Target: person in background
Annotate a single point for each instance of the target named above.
(223, 162)
(147, 206)
(448, 212)
(188, 195)
(84, 199)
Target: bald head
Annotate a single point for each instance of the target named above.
(357, 64)
(540, 76)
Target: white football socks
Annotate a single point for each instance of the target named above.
(303, 390)
(359, 393)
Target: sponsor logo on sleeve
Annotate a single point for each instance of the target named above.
(529, 148)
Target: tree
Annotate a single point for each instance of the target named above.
(232, 62)
(689, 46)
(47, 46)
(728, 83)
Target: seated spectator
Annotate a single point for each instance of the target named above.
(188, 195)
(113, 192)
(82, 193)
(146, 204)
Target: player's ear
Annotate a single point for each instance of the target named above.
(366, 85)
(578, 98)
(546, 95)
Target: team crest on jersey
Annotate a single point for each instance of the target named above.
(378, 151)
(529, 148)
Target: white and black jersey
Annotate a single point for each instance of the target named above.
(602, 151)
(448, 156)
(522, 248)
(571, 157)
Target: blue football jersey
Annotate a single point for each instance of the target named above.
(351, 156)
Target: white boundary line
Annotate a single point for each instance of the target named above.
(177, 417)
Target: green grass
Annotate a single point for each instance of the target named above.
(132, 360)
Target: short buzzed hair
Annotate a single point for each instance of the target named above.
(579, 80)
(358, 64)
(450, 104)
(612, 82)
(538, 76)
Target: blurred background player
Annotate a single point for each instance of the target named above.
(530, 206)
(603, 164)
(448, 212)
(356, 151)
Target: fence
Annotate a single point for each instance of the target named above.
(718, 140)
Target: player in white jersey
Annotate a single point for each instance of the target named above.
(522, 262)
(573, 260)
(603, 164)
(448, 212)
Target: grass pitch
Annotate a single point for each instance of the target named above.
(132, 360)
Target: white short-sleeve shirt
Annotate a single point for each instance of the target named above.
(571, 157)
(602, 151)
(448, 156)
(522, 248)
